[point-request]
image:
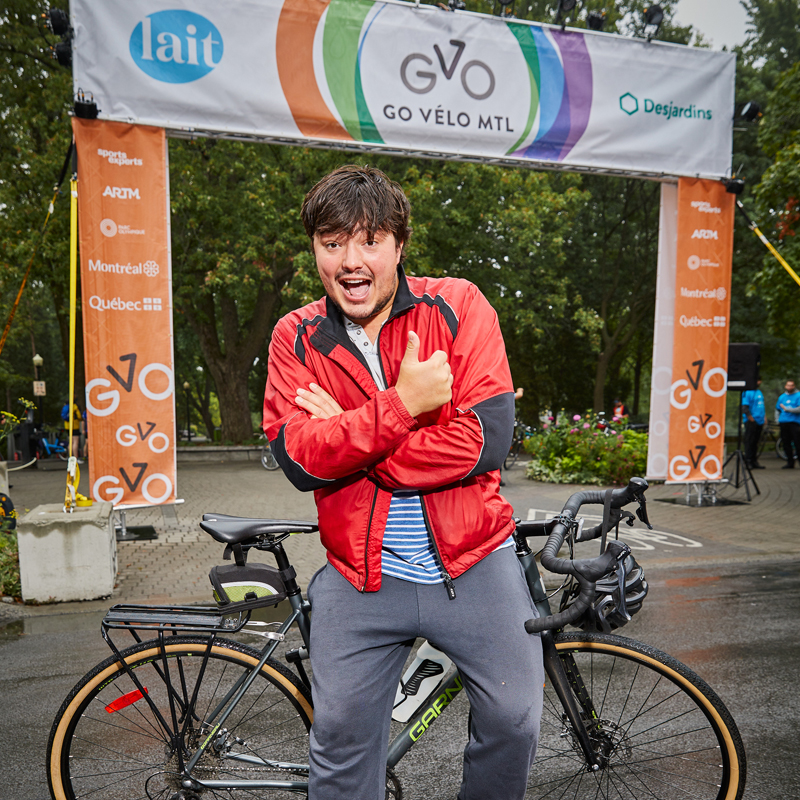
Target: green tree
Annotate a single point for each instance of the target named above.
(35, 98)
(236, 240)
(778, 196)
(504, 230)
(773, 32)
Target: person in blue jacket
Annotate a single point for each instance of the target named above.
(789, 419)
(753, 416)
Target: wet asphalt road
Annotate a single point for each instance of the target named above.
(735, 626)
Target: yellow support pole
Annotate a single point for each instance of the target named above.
(781, 260)
(72, 467)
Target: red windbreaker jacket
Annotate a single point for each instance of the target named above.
(353, 461)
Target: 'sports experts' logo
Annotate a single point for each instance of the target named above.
(176, 46)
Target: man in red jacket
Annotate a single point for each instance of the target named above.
(391, 398)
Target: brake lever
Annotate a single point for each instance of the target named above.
(641, 512)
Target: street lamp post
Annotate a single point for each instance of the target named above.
(38, 362)
(186, 387)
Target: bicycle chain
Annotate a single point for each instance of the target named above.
(209, 768)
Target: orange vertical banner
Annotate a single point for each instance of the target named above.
(702, 316)
(126, 293)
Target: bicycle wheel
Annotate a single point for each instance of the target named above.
(779, 449)
(107, 743)
(268, 461)
(665, 733)
(513, 453)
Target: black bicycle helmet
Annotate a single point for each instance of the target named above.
(610, 609)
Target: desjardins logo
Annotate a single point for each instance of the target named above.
(630, 105)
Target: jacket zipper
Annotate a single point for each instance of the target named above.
(448, 581)
(366, 546)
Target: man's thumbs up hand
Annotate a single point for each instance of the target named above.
(423, 385)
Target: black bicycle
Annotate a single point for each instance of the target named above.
(771, 439)
(521, 433)
(268, 460)
(192, 713)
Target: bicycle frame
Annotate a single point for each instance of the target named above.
(51, 449)
(180, 619)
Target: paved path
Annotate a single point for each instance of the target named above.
(174, 567)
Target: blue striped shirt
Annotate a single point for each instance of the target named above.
(407, 548)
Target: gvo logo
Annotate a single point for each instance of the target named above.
(478, 86)
(176, 46)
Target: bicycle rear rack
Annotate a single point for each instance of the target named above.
(173, 619)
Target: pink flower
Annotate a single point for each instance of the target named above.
(544, 424)
(576, 417)
(574, 430)
(552, 419)
(596, 433)
(615, 418)
(586, 425)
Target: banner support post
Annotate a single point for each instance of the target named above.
(72, 466)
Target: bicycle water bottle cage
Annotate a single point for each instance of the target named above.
(245, 587)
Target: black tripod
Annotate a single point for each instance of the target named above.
(742, 471)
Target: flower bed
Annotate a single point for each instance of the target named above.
(580, 449)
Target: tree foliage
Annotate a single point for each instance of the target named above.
(773, 32)
(35, 95)
(567, 261)
(236, 237)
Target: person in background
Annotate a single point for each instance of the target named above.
(789, 419)
(619, 409)
(85, 435)
(77, 419)
(753, 416)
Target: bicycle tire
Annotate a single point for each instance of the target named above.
(513, 454)
(780, 451)
(124, 753)
(666, 733)
(268, 460)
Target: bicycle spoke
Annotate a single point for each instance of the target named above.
(654, 740)
(123, 756)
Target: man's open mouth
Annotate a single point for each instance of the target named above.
(355, 288)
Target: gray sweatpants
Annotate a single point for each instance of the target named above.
(359, 643)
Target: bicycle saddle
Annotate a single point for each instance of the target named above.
(235, 530)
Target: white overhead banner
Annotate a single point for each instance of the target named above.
(394, 76)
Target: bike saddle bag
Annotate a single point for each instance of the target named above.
(241, 588)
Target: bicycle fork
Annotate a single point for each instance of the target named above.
(564, 676)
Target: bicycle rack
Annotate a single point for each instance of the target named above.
(173, 619)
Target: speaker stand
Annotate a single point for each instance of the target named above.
(743, 473)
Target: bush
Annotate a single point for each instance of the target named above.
(575, 450)
(9, 565)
